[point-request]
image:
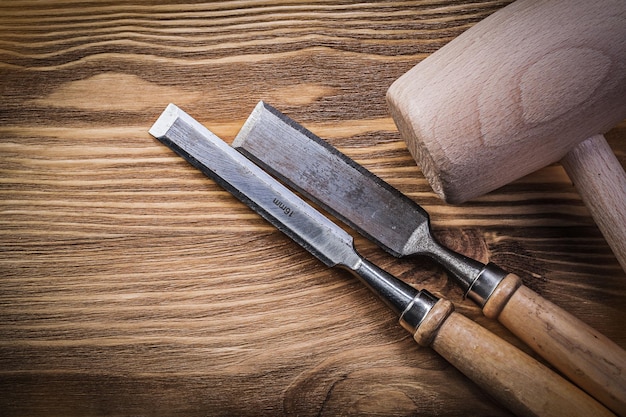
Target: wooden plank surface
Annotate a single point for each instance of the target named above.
(132, 285)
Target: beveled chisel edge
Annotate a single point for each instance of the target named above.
(165, 120)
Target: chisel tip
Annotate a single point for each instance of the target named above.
(165, 121)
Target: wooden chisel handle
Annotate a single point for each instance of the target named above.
(518, 381)
(592, 361)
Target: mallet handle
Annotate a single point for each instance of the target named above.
(514, 378)
(593, 361)
(601, 183)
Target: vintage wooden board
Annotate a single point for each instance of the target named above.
(131, 284)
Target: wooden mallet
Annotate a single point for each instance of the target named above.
(535, 83)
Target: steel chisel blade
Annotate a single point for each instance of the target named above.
(334, 181)
(347, 190)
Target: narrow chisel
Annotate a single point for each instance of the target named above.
(401, 227)
(521, 383)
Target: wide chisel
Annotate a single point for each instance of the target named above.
(521, 383)
(401, 227)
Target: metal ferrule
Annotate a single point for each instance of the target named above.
(395, 293)
(410, 304)
(485, 283)
(416, 311)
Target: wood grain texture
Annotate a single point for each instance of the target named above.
(132, 285)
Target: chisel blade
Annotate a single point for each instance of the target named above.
(337, 183)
